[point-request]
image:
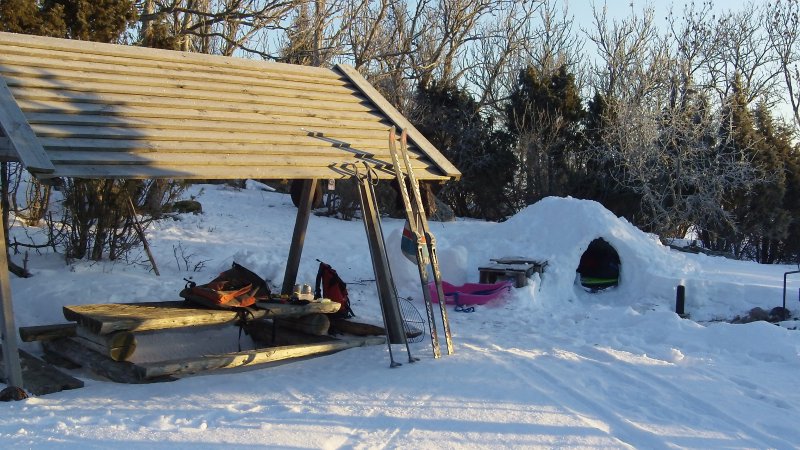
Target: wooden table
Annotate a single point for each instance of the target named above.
(515, 268)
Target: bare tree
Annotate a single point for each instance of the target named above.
(737, 47)
(782, 24)
(220, 26)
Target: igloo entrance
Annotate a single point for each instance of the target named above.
(599, 267)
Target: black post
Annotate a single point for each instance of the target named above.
(680, 300)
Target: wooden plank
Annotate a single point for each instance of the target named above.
(264, 332)
(187, 160)
(252, 137)
(131, 56)
(216, 172)
(178, 91)
(37, 112)
(280, 146)
(41, 378)
(18, 66)
(22, 138)
(109, 317)
(252, 357)
(47, 332)
(141, 106)
(121, 97)
(118, 371)
(397, 118)
(365, 132)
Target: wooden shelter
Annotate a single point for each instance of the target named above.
(90, 110)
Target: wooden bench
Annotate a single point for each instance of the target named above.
(102, 337)
(515, 268)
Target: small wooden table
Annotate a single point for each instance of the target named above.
(515, 268)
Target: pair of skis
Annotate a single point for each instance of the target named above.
(426, 242)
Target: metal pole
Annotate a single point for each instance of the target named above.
(784, 285)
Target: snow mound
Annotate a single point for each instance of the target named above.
(559, 230)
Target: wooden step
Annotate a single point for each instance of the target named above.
(41, 378)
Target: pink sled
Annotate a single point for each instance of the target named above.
(470, 293)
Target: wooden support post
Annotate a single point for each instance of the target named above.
(392, 319)
(299, 235)
(13, 369)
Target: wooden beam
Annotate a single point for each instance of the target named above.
(299, 235)
(397, 118)
(13, 370)
(23, 140)
(43, 68)
(331, 101)
(252, 357)
(315, 324)
(387, 294)
(7, 152)
(118, 371)
(118, 346)
(133, 56)
(264, 105)
(86, 113)
(109, 317)
(47, 332)
(96, 124)
(217, 172)
(268, 333)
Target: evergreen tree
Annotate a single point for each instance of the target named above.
(32, 17)
(737, 143)
(597, 177)
(544, 115)
(764, 221)
(88, 20)
(450, 118)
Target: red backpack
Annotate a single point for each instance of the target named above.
(330, 286)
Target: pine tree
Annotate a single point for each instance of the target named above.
(32, 17)
(450, 118)
(543, 115)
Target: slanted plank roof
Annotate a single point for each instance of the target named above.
(89, 110)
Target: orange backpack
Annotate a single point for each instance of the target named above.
(234, 288)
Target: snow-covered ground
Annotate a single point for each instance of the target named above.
(548, 366)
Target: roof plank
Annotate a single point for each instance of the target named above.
(103, 110)
(150, 57)
(20, 134)
(395, 116)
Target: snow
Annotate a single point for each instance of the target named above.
(550, 365)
